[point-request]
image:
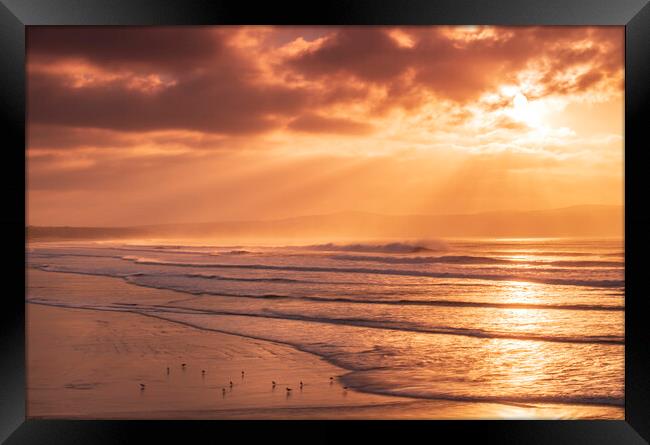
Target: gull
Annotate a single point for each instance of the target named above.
(142, 386)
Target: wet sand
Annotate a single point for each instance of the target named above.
(90, 364)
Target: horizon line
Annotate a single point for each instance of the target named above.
(27, 226)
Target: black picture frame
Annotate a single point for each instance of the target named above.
(15, 15)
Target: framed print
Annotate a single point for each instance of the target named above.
(347, 213)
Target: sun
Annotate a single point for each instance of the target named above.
(526, 111)
(520, 101)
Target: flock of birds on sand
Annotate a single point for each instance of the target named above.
(223, 390)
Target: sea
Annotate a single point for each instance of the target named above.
(521, 321)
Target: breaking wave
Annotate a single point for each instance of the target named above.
(428, 246)
(398, 272)
(467, 259)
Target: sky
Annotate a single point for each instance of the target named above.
(151, 125)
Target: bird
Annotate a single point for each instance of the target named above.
(273, 383)
(301, 384)
(331, 380)
(183, 365)
(242, 373)
(203, 371)
(288, 389)
(223, 391)
(168, 370)
(345, 388)
(142, 386)
(231, 383)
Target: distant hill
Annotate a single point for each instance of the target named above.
(583, 221)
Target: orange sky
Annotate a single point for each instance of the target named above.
(156, 125)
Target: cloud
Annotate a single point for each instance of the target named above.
(247, 82)
(215, 103)
(504, 122)
(366, 53)
(312, 123)
(170, 49)
(461, 66)
(56, 137)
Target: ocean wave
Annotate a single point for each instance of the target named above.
(471, 260)
(162, 250)
(132, 278)
(533, 252)
(393, 302)
(173, 247)
(587, 263)
(428, 246)
(448, 259)
(383, 324)
(444, 330)
(398, 272)
(158, 246)
(236, 252)
(64, 254)
(252, 280)
(358, 381)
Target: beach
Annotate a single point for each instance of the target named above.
(89, 363)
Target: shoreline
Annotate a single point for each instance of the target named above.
(90, 390)
(114, 389)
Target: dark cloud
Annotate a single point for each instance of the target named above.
(206, 85)
(456, 69)
(312, 123)
(174, 49)
(367, 53)
(148, 79)
(216, 103)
